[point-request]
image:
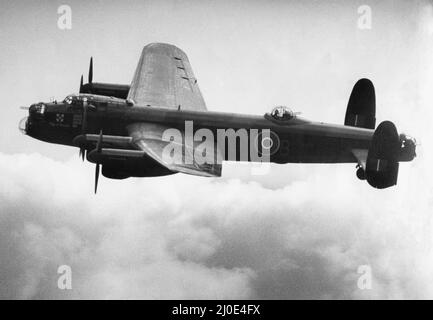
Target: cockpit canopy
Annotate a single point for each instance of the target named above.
(282, 113)
(80, 99)
(69, 99)
(75, 99)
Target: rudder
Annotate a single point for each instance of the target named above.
(382, 160)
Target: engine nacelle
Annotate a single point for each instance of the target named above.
(106, 89)
(113, 172)
(383, 156)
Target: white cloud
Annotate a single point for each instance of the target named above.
(192, 237)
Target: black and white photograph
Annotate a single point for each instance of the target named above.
(216, 150)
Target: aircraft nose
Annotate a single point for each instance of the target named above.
(23, 125)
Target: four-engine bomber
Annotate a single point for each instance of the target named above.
(133, 130)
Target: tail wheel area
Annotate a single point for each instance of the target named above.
(360, 173)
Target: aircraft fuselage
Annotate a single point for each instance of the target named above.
(294, 141)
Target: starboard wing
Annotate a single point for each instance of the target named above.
(164, 78)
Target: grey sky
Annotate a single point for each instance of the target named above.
(300, 231)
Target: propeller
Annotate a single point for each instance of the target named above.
(90, 76)
(96, 177)
(91, 70)
(81, 85)
(98, 149)
(24, 108)
(83, 126)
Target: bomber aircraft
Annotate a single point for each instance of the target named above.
(159, 125)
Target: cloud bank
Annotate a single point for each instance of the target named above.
(191, 237)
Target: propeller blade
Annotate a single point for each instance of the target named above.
(96, 177)
(91, 70)
(24, 108)
(99, 143)
(84, 124)
(98, 148)
(81, 85)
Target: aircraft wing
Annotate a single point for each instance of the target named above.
(148, 137)
(147, 140)
(164, 78)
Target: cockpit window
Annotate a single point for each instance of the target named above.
(68, 100)
(72, 99)
(282, 113)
